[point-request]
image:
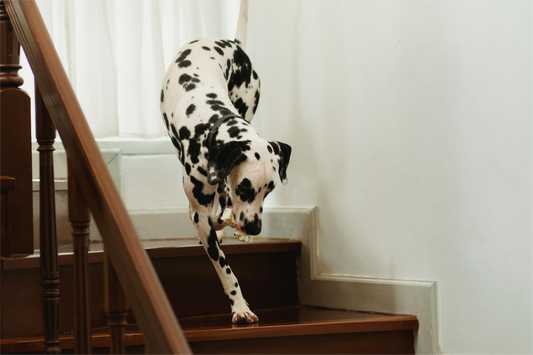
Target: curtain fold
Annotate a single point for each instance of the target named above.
(116, 52)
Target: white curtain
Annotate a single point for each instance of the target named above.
(116, 52)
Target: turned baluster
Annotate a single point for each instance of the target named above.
(116, 306)
(6, 183)
(46, 134)
(80, 219)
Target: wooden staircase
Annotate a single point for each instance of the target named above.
(267, 270)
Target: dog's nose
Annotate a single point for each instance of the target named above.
(253, 228)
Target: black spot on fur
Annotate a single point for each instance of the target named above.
(202, 171)
(188, 168)
(174, 132)
(195, 217)
(162, 96)
(233, 293)
(241, 216)
(228, 271)
(194, 151)
(197, 192)
(183, 55)
(188, 82)
(175, 143)
(245, 191)
(166, 120)
(276, 147)
(214, 118)
(256, 102)
(184, 133)
(184, 64)
(223, 43)
(242, 70)
(206, 48)
(228, 67)
(222, 261)
(269, 148)
(257, 156)
(230, 300)
(235, 131)
(222, 202)
(212, 245)
(212, 96)
(200, 129)
(236, 284)
(214, 102)
(241, 107)
(219, 50)
(190, 109)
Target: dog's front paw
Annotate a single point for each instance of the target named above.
(244, 317)
(243, 237)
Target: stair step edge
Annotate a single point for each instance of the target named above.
(233, 332)
(186, 248)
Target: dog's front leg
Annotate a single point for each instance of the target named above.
(240, 311)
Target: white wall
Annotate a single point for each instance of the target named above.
(411, 128)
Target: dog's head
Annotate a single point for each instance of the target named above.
(249, 170)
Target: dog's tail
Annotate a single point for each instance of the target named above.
(242, 25)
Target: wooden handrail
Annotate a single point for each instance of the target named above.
(133, 267)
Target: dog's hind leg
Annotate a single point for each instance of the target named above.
(240, 312)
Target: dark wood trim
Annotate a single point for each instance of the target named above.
(15, 140)
(183, 248)
(148, 301)
(6, 183)
(80, 219)
(116, 308)
(46, 133)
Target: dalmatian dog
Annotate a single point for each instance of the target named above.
(208, 98)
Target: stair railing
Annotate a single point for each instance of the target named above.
(130, 276)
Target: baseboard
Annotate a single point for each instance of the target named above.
(360, 293)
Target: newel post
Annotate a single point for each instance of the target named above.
(15, 140)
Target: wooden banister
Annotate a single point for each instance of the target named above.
(133, 267)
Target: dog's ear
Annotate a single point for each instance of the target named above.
(283, 151)
(222, 159)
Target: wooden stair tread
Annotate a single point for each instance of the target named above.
(279, 322)
(294, 321)
(156, 249)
